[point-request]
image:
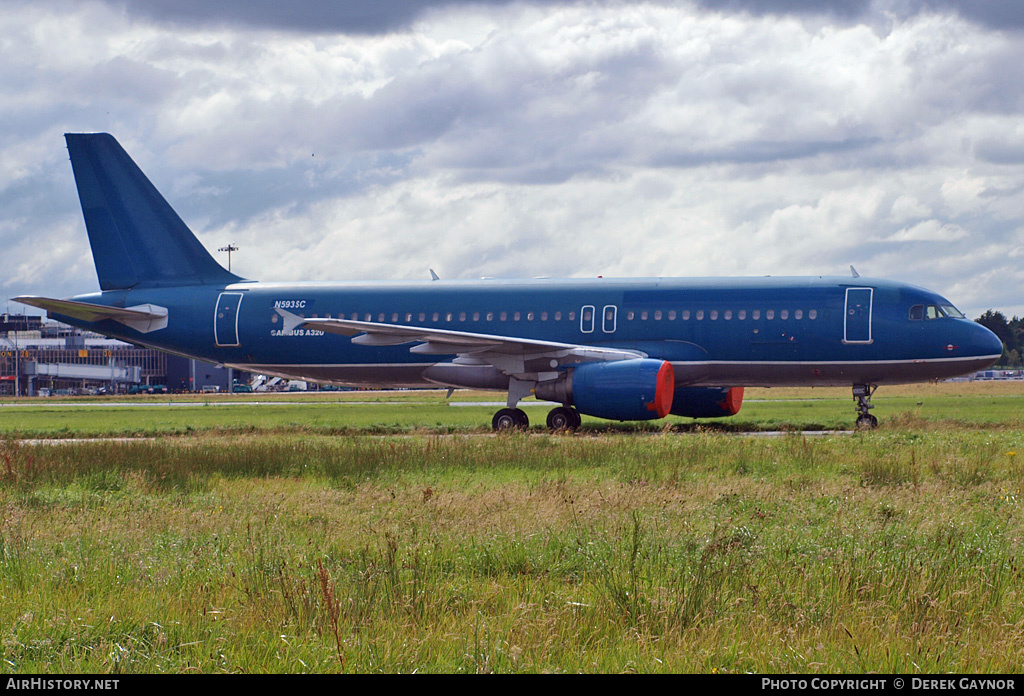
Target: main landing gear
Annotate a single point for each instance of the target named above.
(862, 393)
(559, 418)
(564, 418)
(510, 419)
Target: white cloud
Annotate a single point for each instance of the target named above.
(906, 207)
(930, 231)
(520, 139)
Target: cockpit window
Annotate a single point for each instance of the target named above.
(919, 312)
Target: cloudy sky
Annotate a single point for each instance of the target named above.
(335, 140)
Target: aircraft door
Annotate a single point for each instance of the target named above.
(857, 318)
(225, 319)
(587, 318)
(608, 318)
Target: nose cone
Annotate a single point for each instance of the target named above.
(985, 343)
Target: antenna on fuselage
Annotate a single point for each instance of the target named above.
(854, 272)
(434, 276)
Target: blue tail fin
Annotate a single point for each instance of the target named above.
(137, 239)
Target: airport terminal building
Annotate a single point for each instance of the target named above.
(40, 357)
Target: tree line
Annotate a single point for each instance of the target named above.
(1010, 332)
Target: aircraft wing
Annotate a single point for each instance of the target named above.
(142, 318)
(517, 357)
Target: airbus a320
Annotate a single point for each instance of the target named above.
(618, 349)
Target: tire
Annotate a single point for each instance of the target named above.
(510, 419)
(563, 418)
(866, 422)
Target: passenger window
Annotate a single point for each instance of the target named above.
(784, 314)
(813, 314)
(728, 314)
(742, 314)
(756, 314)
(630, 315)
(657, 315)
(503, 316)
(700, 314)
(558, 316)
(672, 315)
(714, 315)
(686, 315)
(643, 316)
(769, 314)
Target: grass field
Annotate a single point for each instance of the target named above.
(945, 405)
(310, 537)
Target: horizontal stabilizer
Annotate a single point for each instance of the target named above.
(142, 318)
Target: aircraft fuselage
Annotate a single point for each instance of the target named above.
(715, 332)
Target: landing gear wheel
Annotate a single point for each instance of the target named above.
(563, 418)
(510, 419)
(577, 419)
(866, 422)
(862, 393)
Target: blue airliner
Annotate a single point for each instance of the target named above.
(620, 349)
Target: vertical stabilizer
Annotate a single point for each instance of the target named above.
(137, 239)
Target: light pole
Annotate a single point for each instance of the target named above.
(17, 362)
(229, 248)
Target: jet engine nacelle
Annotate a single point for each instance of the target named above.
(638, 389)
(707, 402)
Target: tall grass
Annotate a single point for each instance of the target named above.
(888, 551)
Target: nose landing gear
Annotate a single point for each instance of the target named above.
(862, 393)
